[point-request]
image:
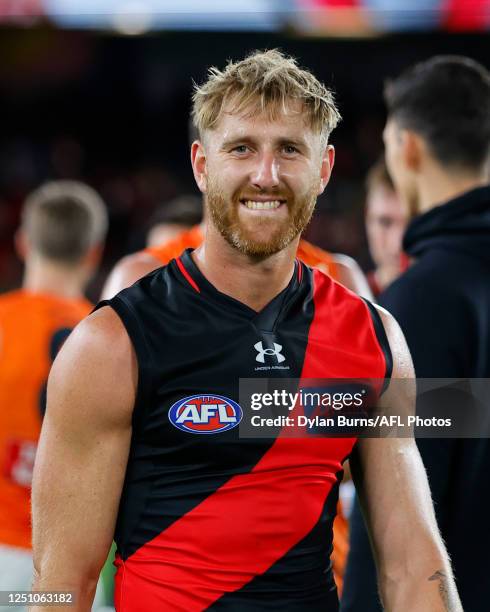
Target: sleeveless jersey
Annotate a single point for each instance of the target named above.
(314, 257)
(217, 521)
(308, 253)
(32, 329)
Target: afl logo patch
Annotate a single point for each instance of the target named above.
(205, 414)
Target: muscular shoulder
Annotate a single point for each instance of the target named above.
(101, 328)
(402, 360)
(96, 370)
(127, 271)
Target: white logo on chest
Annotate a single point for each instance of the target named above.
(270, 352)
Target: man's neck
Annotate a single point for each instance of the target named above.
(252, 282)
(43, 276)
(438, 186)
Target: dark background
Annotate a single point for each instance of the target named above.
(113, 111)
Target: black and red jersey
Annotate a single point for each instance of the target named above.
(218, 521)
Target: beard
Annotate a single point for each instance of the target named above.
(225, 216)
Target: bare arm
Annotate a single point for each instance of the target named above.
(127, 271)
(351, 276)
(82, 456)
(414, 572)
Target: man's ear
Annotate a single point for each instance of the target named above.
(328, 160)
(21, 244)
(413, 149)
(198, 161)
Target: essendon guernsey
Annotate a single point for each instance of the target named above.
(209, 520)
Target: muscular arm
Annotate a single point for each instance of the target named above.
(127, 271)
(414, 572)
(351, 276)
(82, 456)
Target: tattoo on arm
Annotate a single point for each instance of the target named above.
(443, 587)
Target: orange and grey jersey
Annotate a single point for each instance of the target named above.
(33, 326)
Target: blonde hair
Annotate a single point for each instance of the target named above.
(64, 219)
(264, 82)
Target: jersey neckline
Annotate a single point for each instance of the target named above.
(264, 319)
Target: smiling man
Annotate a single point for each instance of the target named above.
(221, 521)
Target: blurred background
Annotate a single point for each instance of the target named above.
(100, 91)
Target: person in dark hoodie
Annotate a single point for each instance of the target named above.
(437, 141)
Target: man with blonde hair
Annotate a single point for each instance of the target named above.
(60, 241)
(204, 517)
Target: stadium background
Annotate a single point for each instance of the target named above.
(101, 95)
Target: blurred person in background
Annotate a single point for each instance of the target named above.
(173, 218)
(437, 141)
(386, 220)
(60, 241)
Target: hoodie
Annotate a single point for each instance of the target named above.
(442, 304)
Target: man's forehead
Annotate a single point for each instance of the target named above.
(384, 200)
(289, 119)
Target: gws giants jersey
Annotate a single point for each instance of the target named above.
(217, 521)
(33, 327)
(308, 253)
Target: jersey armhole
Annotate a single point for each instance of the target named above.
(125, 312)
(382, 341)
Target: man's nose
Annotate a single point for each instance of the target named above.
(265, 174)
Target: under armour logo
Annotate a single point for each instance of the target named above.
(271, 352)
